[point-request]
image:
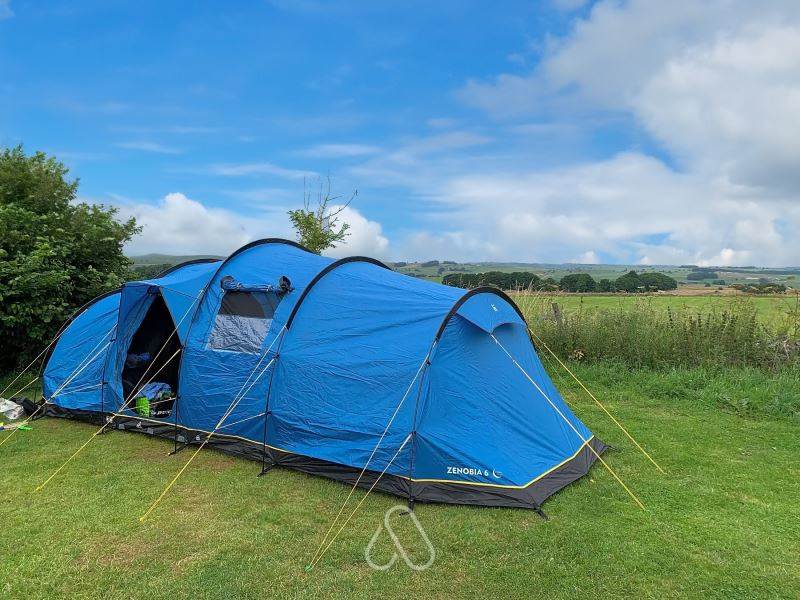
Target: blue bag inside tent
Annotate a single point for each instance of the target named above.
(334, 368)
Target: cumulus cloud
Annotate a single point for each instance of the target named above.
(180, 225)
(631, 208)
(366, 237)
(731, 106)
(716, 84)
(587, 258)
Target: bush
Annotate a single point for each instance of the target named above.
(760, 288)
(55, 253)
(504, 281)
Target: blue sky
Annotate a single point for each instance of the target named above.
(540, 131)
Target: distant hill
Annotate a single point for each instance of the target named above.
(167, 259)
(435, 269)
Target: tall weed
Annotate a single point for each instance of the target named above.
(641, 335)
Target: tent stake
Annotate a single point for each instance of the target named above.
(178, 449)
(538, 509)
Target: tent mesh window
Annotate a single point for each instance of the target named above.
(243, 320)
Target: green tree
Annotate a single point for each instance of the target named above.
(606, 285)
(319, 227)
(578, 282)
(520, 280)
(630, 282)
(55, 253)
(655, 281)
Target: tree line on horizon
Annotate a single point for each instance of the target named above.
(631, 282)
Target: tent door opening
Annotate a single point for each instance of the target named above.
(146, 358)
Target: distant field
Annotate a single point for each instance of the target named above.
(744, 275)
(435, 270)
(772, 309)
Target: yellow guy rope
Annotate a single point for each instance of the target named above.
(372, 454)
(105, 425)
(227, 413)
(136, 389)
(600, 404)
(355, 510)
(85, 362)
(234, 403)
(568, 422)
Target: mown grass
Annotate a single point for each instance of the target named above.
(723, 523)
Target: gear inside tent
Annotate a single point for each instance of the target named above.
(329, 367)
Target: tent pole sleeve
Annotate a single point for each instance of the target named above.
(414, 432)
(264, 468)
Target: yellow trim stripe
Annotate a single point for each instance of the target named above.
(493, 485)
(514, 487)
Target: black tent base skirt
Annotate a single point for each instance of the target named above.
(531, 496)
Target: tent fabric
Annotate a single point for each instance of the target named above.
(343, 349)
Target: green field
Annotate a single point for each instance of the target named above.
(435, 270)
(724, 522)
(771, 309)
(787, 276)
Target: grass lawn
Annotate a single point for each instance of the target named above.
(724, 522)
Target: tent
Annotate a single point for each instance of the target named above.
(330, 367)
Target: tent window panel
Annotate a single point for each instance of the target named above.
(243, 321)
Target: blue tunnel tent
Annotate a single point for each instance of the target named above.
(326, 366)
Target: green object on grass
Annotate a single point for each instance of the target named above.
(24, 428)
(143, 406)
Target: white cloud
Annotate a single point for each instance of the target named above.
(731, 107)
(257, 169)
(339, 150)
(180, 225)
(366, 237)
(146, 146)
(632, 208)
(715, 83)
(5, 10)
(587, 258)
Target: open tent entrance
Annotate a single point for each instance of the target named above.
(146, 359)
